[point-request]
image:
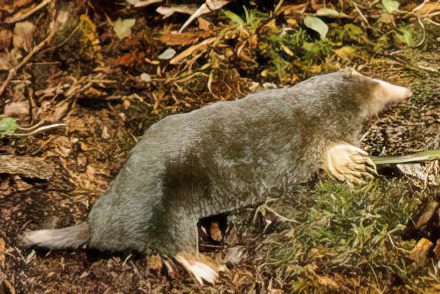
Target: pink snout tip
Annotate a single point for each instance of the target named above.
(408, 93)
(394, 92)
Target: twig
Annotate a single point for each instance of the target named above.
(283, 218)
(15, 18)
(205, 8)
(421, 5)
(143, 3)
(9, 286)
(65, 40)
(187, 52)
(410, 158)
(13, 71)
(360, 12)
(37, 131)
(423, 30)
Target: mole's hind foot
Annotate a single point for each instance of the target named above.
(349, 164)
(200, 266)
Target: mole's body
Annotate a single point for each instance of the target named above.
(225, 156)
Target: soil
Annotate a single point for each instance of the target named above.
(93, 146)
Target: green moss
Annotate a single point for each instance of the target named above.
(346, 233)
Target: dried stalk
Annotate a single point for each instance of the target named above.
(410, 158)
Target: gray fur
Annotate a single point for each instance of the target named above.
(70, 237)
(222, 157)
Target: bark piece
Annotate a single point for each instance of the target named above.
(29, 167)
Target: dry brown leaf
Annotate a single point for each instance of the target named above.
(207, 7)
(428, 8)
(17, 110)
(327, 282)
(427, 214)
(11, 6)
(293, 9)
(188, 52)
(154, 263)
(22, 185)
(216, 233)
(6, 61)
(437, 248)
(140, 3)
(30, 167)
(420, 252)
(5, 186)
(182, 39)
(24, 35)
(26, 12)
(168, 11)
(5, 38)
(418, 171)
(93, 93)
(2, 252)
(204, 24)
(234, 255)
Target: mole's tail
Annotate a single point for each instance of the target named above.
(70, 237)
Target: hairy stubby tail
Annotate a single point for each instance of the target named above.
(69, 237)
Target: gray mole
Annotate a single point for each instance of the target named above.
(217, 159)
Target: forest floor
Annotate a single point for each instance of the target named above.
(326, 238)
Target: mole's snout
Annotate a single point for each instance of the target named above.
(406, 93)
(393, 93)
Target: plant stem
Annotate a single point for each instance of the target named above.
(410, 158)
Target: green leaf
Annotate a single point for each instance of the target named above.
(7, 125)
(316, 24)
(405, 35)
(122, 27)
(234, 17)
(346, 52)
(311, 47)
(332, 13)
(354, 32)
(390, 5)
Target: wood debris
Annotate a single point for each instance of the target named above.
(26, 166)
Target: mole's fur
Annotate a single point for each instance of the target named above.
(222, 157)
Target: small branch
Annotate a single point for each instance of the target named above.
(410, 158)
(281, 217)
(37, 131)
(143, 3)
(26, 166)
(31, 11)
(13, 71)
(360, 13)
(423, 30)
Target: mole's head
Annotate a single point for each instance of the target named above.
(379, 94)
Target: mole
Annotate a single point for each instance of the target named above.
(226, 156)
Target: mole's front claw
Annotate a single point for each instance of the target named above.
(349, 164)
(200, 266)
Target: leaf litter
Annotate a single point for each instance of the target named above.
(66, 64)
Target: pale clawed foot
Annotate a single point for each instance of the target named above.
(349, 164)
(200, 266)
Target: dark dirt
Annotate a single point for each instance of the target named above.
(90, 150)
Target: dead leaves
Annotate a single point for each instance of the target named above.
(154, 263)
(29, 167)
(89, 38)
(191, 51)
(182, 39)
(420, 252)
(12, 6)
(2, 252)
(427, 214)
(5, 38)
(140, 3)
